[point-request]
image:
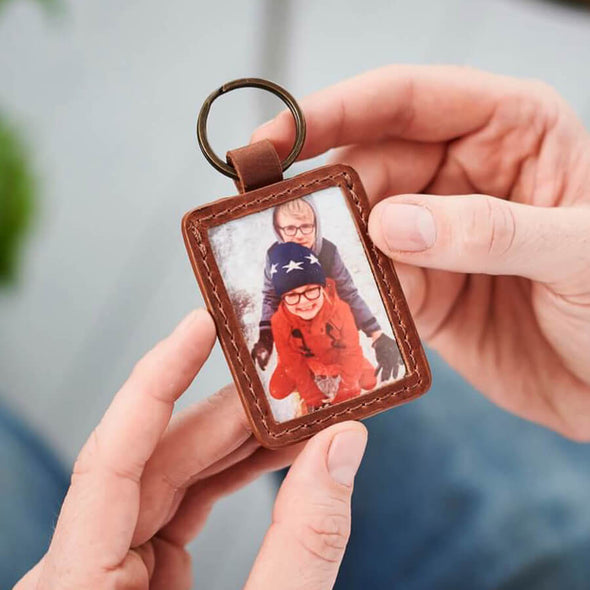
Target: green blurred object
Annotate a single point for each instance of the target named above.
(17, 182)
(49, 4)
(17, 189)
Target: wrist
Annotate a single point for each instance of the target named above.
(375, 335)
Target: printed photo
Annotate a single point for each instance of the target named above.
(307, 302)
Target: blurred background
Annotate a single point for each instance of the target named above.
(98, 163)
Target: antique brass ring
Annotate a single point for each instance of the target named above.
(277, 90)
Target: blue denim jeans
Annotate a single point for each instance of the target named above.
(453, 493)
(456, 493)
(32, 487)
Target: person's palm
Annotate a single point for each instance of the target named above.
(524, 342)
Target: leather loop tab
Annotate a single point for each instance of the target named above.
(257, 165)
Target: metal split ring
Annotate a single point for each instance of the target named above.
(277, 90)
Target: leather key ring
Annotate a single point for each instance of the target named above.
(310, 314)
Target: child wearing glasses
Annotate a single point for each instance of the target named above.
(318, 348)
(297, 222)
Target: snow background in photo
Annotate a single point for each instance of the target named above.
(240, 247)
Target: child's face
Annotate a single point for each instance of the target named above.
(292, 227)
(305, 302)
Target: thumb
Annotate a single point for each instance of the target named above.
(311, 519)
(482, 234)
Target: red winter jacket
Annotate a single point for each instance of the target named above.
(328, 345)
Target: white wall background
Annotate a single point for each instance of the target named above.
(107, 94)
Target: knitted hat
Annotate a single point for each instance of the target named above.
(292, 266)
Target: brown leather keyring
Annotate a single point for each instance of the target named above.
(275, 89)
(309, 313)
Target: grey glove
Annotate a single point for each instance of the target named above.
(262, 350)
(387, 355)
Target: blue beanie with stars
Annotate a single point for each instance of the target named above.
(293, 265)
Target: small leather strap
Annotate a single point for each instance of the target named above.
(257, 165)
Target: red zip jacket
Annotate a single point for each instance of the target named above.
(325, 345)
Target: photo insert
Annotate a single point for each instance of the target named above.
(308, 306)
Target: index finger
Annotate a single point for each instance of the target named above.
(141, 410)
(99, 513)
(424, 103)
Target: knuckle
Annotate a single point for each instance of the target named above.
(222, 396)
(143, 372)
(139, 375)
(92, 460)
(143, 364)
(542, 89)
(86, 458)
(489, 227)
(548, 102)
(405, 115)
(532, 107)
(324, 535)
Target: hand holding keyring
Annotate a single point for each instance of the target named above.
(499, 285)
(144, 484)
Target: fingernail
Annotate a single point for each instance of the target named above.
(345, 455)
(407, 227)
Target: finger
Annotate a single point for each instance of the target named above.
(387, 373)
(173, 566)
(243, 452)
(200, 497)
(100, 510)
(482, 234)
(392, 166)
(311, 519)
(231, 463)
(424, 103)
(414, 285)
(133, 424)
(198, 438)
(146, 553)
